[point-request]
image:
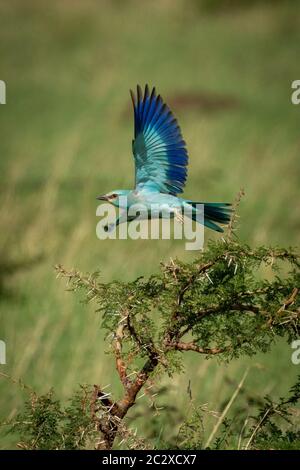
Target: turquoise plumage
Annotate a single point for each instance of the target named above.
(161, 161)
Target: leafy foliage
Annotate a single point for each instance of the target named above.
(274, 426)
(45, 424)
(218, 301)
(267, 433)
(231, 301)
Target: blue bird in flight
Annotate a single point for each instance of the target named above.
(161, 160)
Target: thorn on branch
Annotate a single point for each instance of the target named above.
(234, 216)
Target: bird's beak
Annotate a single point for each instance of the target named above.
(102, 198)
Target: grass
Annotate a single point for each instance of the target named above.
(66, 137)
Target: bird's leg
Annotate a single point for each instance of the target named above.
(120, 220)
(112, 226)
(178, 216)
(109, 227)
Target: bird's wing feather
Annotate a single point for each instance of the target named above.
(159, 150)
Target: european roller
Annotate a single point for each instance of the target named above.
(161, 161)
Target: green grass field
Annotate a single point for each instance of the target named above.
(66, 135)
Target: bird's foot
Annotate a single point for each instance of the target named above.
(109, 228)
(179, 217)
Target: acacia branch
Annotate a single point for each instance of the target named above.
(116, 411)
(107, 423)
(117, 345)
(229, 308)
(149, 347)
(191, 346)
(233, 219)
(133, 389)
(174, 329)
(219, 309)
(289, 301)
(202, 269)
(182, 317)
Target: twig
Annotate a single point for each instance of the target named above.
(257, 428)
(234, 216)
(117, 345)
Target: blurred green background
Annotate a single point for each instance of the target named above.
(226, 69)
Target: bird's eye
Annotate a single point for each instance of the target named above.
(113, 196)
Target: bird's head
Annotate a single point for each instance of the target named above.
(113, 196)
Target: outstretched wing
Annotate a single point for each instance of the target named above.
(159, 150)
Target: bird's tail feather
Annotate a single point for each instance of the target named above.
(214, 213)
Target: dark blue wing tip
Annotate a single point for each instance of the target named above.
(142, 96)
(152, 117)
